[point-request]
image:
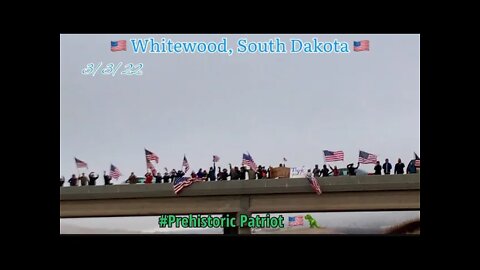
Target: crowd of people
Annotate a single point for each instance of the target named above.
(236, 173)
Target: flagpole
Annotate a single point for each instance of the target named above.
(146, 160)
(78, 170)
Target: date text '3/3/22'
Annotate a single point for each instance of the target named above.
(111, 69)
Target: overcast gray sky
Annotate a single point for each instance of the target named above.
(272, 105)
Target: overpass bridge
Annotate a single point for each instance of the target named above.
(341, 193)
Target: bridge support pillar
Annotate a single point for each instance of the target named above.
(245, 205)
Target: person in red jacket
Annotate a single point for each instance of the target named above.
(148, 178)
(335, 170)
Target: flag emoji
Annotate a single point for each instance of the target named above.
(120, 45)
(362, 45)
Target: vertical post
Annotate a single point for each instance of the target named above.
(244, 210)
(244, 229)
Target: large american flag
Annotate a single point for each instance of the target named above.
(80, 164)
(314, 183)
(120, 45)
(151, 156)
(185, 164)
(366, 158)
(182, 182)
(331, 156)
(216, 158)
(362, 45)
(114, 172)
(247, 160)
(295, 221)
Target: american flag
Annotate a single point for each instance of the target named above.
(151, 156)
(295, 221)
(185, 164)
(417, 160)
(114, 172)
(216, 158)
(247, 160)
(183, 182)
(366, 158)
(151, 167)
(80, 164)
(331, 156)
(120, 45)
(314, 184)
(362, 45)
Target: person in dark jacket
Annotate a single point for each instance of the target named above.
(211, 173)
(62, 180)
(351, 169)
(243, 172)
(324, 171)
(200, 173)
(411, 167)
(166, 177)
(158, 178)
(92, 179)
(224, 174)
(106, 178)
(234, 173)
(399, 167)
(387, 167)
(378, 168)
(73, 180)
(316, 171)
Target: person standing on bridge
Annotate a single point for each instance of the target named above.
(316, 171)
(158, 178)
(251, 173)
(83, 180)
(399, 167)
(411, 167)
(148, 178)
(166, 177)
(324, 171)
(132, 179)
(243, 172)
(92, 179)
(73, 180)
(378, 169)
(335, 170)
(351, 169)
(107, 178)
(387, 167)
